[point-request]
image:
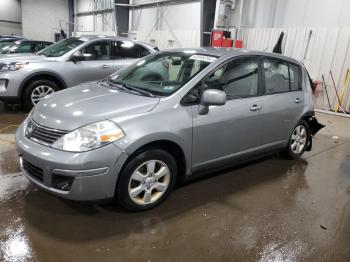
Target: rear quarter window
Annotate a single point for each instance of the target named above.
(129, 50)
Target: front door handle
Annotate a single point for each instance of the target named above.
(255, 108)
(297, 100)
(105, 66)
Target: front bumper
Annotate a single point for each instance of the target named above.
(93, 174)
(10, 83)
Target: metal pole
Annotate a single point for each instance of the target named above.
(75, 17)
(131, 11)
(240, 19)
(115, 17)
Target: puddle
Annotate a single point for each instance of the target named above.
(11, 185)
(14, 244)
(275, 252)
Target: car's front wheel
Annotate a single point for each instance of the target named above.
(37, 90)
(146, 180)
(298, 141)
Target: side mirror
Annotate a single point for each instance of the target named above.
(211, 97)
(79, 56)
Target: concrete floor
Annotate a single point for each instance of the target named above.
(270, 210)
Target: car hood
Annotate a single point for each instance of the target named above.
(86, 104)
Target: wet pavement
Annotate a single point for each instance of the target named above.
(269, 210)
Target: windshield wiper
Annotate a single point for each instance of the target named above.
(128, 87)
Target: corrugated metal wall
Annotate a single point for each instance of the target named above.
(328, 50)
(169, 39)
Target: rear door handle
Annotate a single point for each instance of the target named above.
(105, 66)
(297, 100)
(255, 108)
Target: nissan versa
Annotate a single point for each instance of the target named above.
(27, 78)
(131, 139)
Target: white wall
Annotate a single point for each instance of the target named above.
(40, 18)
(178, 26)
(184, 16)
(10, 10)
(97, 23)
(295, 13)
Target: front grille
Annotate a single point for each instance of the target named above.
(33, 171)
(44, 135)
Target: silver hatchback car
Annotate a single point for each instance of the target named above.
(132, 139)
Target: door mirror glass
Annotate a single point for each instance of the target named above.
(211, 97)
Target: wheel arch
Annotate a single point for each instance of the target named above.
(42, 75)
(167, 145)
(314, 125)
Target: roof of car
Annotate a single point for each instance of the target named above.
(10, 36)
(217, 51)
(23, 41)
(11, 39)
(94, 37)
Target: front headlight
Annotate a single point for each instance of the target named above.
(13, 66)
(90, 137)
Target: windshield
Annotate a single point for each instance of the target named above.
(162, 73)
(62, 47)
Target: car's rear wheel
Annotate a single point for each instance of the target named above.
(146, 180)
(298, 141)
(37, 90)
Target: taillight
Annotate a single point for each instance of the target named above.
(314, 86)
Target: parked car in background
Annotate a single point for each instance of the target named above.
(27, 79)
(131, 137)
(10, 36)
(7, 41)
(24, 46)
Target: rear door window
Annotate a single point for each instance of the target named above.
(294, 72)
(276, 76)
(38, 47)
(46, 44)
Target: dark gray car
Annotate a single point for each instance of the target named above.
(28, 78)
(132, 138)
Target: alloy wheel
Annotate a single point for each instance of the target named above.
(149, 182)
(298, 139)
(40, 92)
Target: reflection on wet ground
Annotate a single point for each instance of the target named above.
(269, 210)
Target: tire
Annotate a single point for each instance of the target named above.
(47, 87)
(138, 191)
(298, 141)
